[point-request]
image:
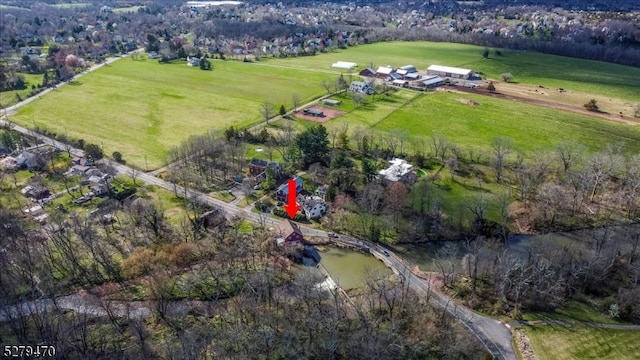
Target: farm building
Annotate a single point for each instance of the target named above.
(344, 65)
(432, 81)
(402, 83)
(314, 112)
(368, 72)
(384, 72)
(331, 102)
(408, 69)
(412, 76)
(450, 72)
(361, 87)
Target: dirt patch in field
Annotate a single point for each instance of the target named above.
(469, 102)
(329, 114)
(521, 97)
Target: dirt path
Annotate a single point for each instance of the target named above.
(545, 103)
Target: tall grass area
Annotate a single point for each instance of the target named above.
(580, 342)
(143, 108)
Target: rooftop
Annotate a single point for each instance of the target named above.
(398, 168)
(449, 69)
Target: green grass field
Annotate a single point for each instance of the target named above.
(530, 127)
(579, 342)
(142, 108)
(8, 98)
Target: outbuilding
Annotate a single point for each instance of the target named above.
(450, 72)
(344, 65)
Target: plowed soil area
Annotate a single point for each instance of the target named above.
(329, 114)
(551, 104)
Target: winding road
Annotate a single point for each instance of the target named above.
(494, 335)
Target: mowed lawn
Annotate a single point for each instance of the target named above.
(143, 108)
(580, 342)
(530, 127)
(585, 76)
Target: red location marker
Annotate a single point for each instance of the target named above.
(292, 206)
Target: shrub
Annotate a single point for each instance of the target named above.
(592, 105)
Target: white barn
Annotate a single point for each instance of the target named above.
(450, 72)
(344, 65)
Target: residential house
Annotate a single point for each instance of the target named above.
(259, 166)
(399, 170)
(313, 207)
(283, 191)
(29, 160)
(322, 191)
(361, 87)
(36, 192)
(290, 232)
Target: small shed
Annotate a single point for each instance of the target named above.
(314, 112)
(331, 102)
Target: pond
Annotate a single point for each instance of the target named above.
(348, 267)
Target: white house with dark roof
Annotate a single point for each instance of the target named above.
(361, 87)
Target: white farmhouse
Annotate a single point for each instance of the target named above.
(399, 170)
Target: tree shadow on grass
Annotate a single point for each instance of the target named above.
(75, 82)
(471, 187)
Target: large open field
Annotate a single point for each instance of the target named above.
(142, 108)
(472, 121)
